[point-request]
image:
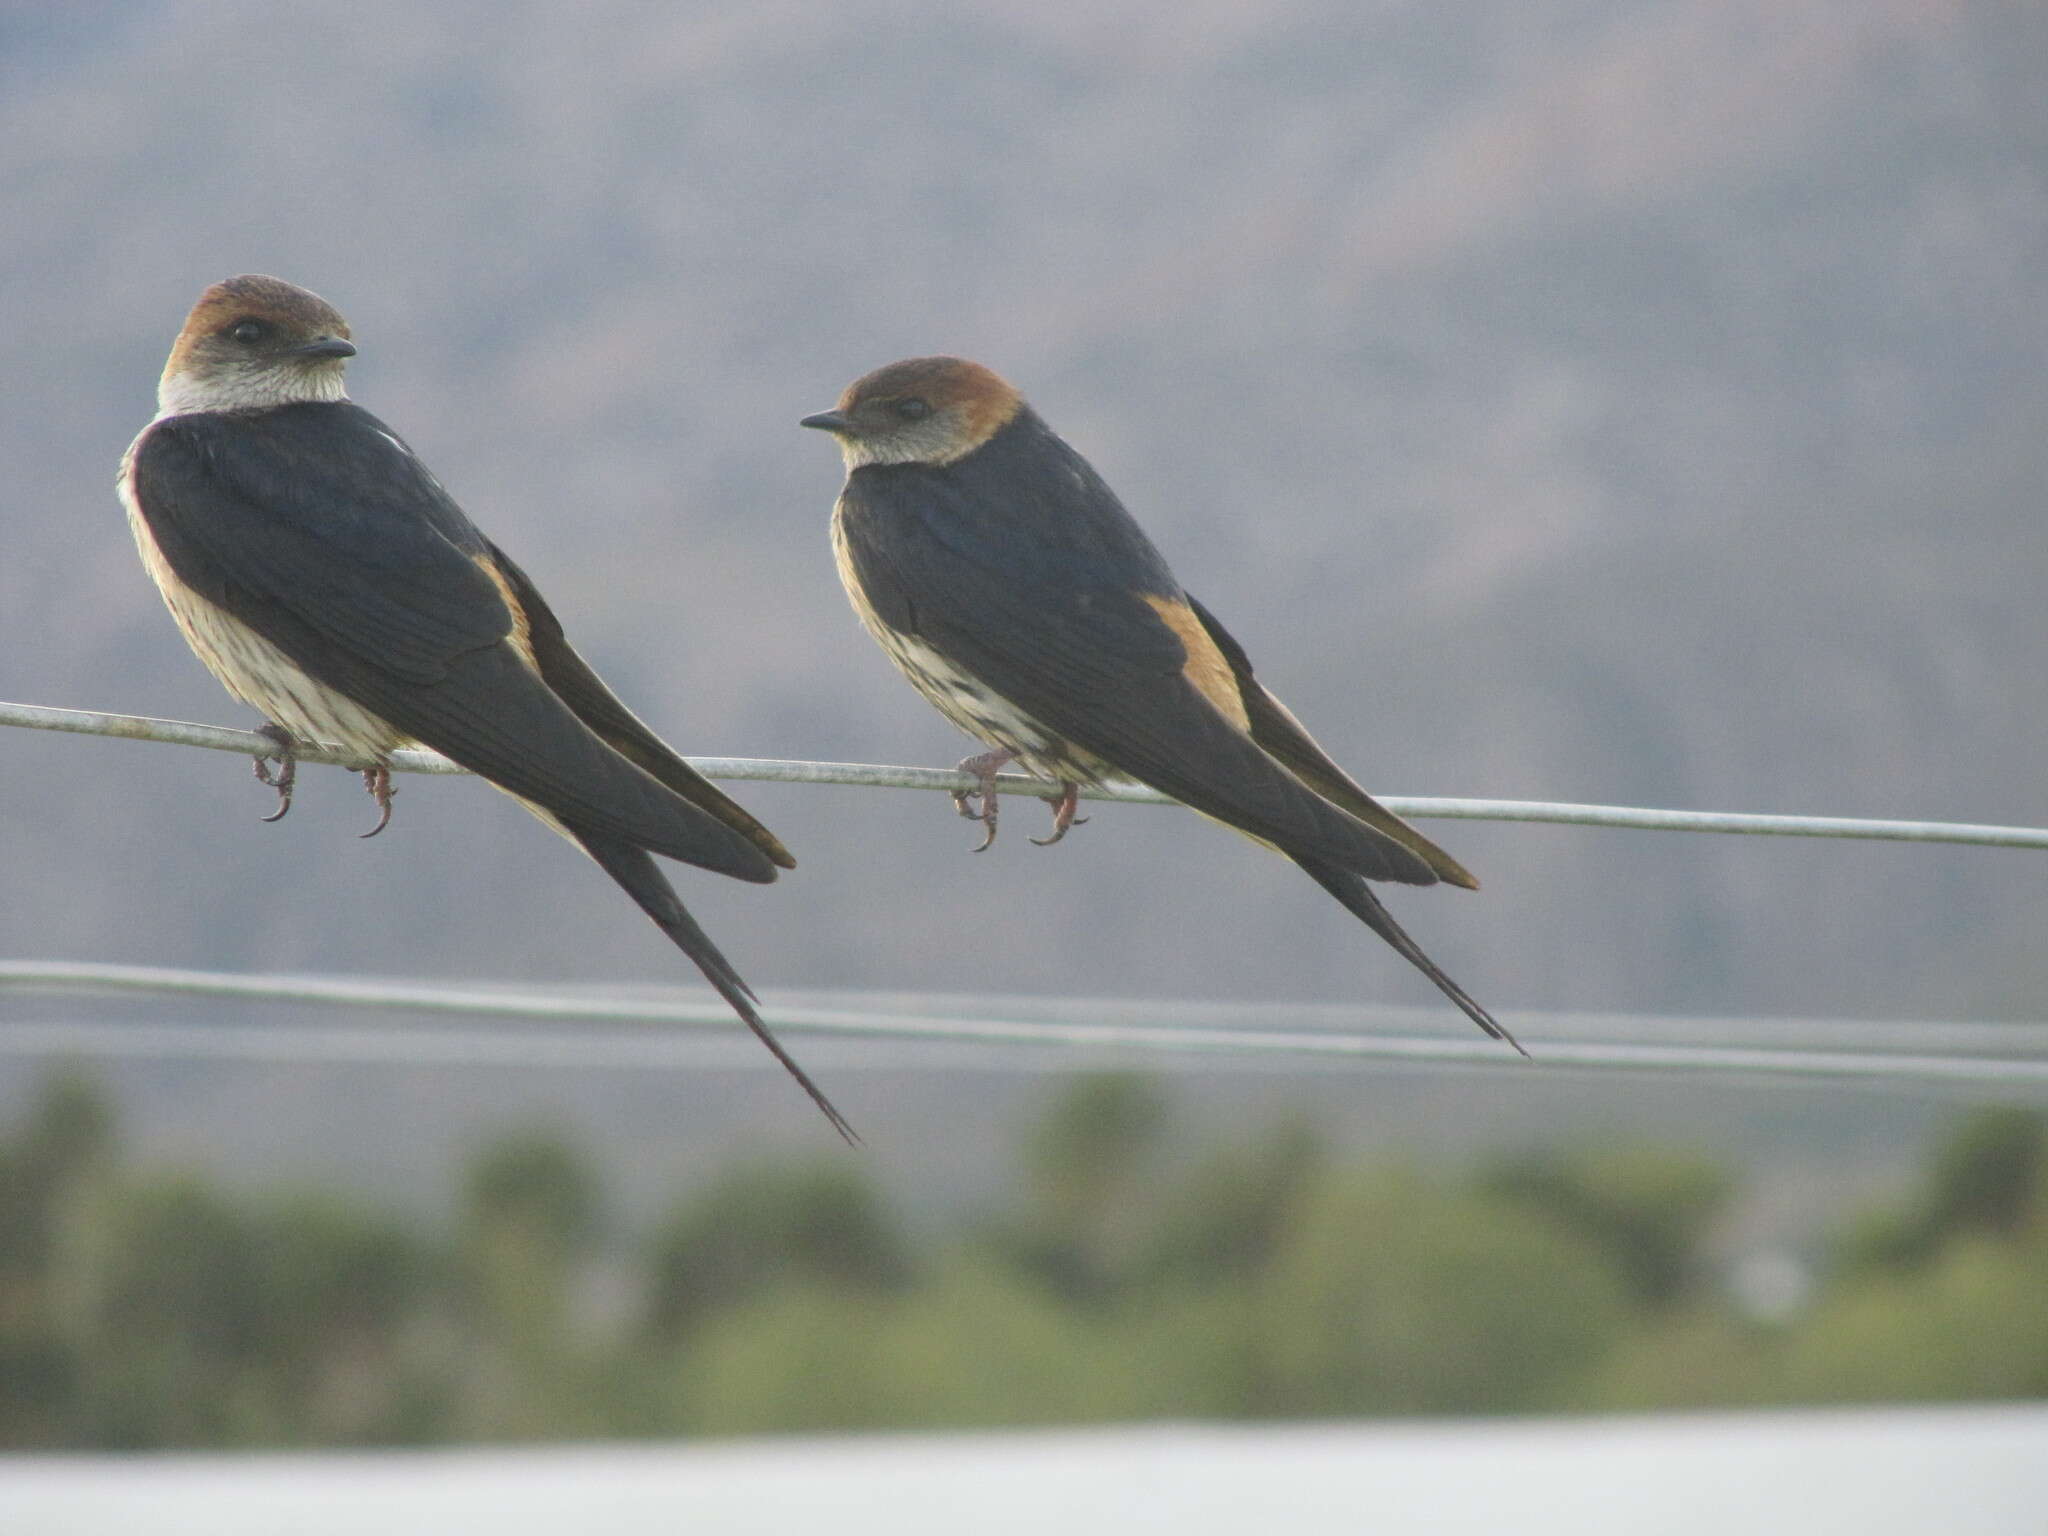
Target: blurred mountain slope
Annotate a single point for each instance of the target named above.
(1593, 399)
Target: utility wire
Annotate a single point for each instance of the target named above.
(2011, 1057)
(950, 781)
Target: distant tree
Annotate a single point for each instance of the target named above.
(1089, 1188)
(348, 1297)
(1696, 1355)
(972, 1345)
(1986, 1180)
(533, 1186)
(47, 1173)
(1222, 1223)
(155, 1311)
(530, 1220)
(69, 1135)
(173, 1331)
(1647, 1208)
(1987, 1177)
(1969, 1322)
(1393, 1294)
(761, 1226)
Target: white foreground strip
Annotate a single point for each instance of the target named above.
(1881, 1472)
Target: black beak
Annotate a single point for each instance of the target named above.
(828, 421)
(326, 346)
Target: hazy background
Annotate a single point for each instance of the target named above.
(1610, 400)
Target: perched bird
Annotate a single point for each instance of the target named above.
(1007, 582)
(330, 583)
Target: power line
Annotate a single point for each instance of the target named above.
(2010, 1057)
(2014, 1056)
(877, 775)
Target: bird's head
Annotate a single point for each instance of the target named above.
(923, 410)
(252, 342)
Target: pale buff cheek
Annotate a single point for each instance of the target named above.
(903, 447)
(940, 438)
(194, 388)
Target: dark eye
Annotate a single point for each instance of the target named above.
(248, 332)
(912, 409)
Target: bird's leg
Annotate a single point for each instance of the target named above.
(1063, 815)
(287, 768)
(377, 780)
(984, 767)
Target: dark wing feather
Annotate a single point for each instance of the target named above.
(1274, 728)
(1360, 902)
(1050, 612)
(323, 510)
(642, 879)
(572, 680)
(321, 531)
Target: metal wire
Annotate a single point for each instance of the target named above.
(2011, 1057)
(949, 781)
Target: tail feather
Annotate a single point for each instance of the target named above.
(1359, 900)
(641, 878)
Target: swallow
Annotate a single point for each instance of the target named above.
(1005, 580)
(323, 575)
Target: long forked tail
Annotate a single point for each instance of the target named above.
(1359, 900)
(641, 878)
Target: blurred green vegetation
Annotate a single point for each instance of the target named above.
(1137, 1270)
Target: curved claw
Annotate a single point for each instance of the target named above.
(377, 781)
(287, 775)
(1063, 817)
(984, 767)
